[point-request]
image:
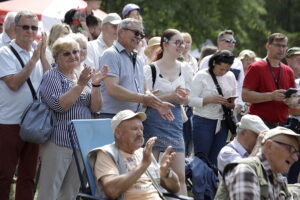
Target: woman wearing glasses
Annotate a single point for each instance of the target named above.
(172, 78)
(209, 128)
(71, 97)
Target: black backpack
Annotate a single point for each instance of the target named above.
(69, 16)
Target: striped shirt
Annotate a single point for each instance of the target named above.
(55, 84)
(242, 182)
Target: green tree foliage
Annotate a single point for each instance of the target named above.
(251, 20)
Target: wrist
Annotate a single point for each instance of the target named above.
(141, 98)
(168, 174)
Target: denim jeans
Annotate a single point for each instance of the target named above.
(206, 140)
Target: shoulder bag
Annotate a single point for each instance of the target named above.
(228, 114)
(38, 120)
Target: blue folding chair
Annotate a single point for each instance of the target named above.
(91, 133)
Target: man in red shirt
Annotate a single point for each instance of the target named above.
(266, 82)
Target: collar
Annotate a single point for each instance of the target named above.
(5, 38)
(241, 150)
(20, 49)
(266, 165)
(119, 47)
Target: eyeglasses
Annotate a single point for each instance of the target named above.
(26, 27)
(291, 148)
(177, 43)
(137, 33)
(227, 40)
(279, 45)
(68, 53)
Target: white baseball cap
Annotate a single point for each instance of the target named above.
(124, 115)
(279, 130)
(112, 18)
(253, 123)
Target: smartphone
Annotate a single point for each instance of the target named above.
(290, 91)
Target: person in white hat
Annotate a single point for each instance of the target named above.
(105, 40)
(134, 182)
(248, 130)
(260, 176)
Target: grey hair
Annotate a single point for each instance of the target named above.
(128, 22)
(78, 37)
(9, 19)
(25, 13)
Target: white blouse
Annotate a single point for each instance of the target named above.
(203, 86)
(165, 86)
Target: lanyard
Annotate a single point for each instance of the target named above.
(276, 80)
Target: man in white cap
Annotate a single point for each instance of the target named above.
(259, 177)
(105, 40)
(248, 130)
(124, 169)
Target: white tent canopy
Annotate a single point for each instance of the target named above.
(50, 12)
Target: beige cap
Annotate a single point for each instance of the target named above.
(280, 131)
(112, 18)
(152, 42)
(253, 123)
(292, 51)
(124, 115)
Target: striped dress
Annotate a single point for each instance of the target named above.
(55, 84)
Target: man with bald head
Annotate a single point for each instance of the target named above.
(259, 177)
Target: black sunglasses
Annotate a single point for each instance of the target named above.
(26, 27)
(68, 53)
(137, 33)
(229, 40)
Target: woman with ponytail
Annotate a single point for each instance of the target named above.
(170, 80)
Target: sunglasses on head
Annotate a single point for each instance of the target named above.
(137, 33)
(68, 53)
(26, 27)
(229, 40)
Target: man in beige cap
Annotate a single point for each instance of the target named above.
(259, 177)
(106, 38)
(124, 169)
(292, 57)
(248, 130)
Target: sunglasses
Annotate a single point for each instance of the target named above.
(178, 43)
(26, 27)
(291, 148)
(68, 53)
(137, 33)
(233, 41)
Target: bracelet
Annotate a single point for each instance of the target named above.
(170, 174)
(96, 85)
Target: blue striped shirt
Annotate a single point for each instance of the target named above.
(55, 84)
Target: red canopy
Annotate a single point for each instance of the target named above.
(49, 12)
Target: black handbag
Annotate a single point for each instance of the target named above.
(228, 114)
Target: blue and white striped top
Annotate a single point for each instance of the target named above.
(55, 84)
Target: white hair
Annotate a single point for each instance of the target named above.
(9, 19)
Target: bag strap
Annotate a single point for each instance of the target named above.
(22, 64)
(226, 110)
(153, 71)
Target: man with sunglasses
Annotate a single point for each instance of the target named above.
(226, 41)
(124, 88)
(266, 82)
(15, 97)
(259, 177)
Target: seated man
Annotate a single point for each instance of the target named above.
(248, 130)
(259, 177)
(126, 170)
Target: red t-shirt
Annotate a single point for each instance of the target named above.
(259, 78)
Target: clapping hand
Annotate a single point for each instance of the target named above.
(166, 161)
(147, 152)
(98, 76)
(180, 95)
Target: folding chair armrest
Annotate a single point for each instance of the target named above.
(88, 197)
(180, 197)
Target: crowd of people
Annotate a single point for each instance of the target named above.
(165, 105)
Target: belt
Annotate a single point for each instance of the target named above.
(274, 124)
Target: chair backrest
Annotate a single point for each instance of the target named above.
(92, 133)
